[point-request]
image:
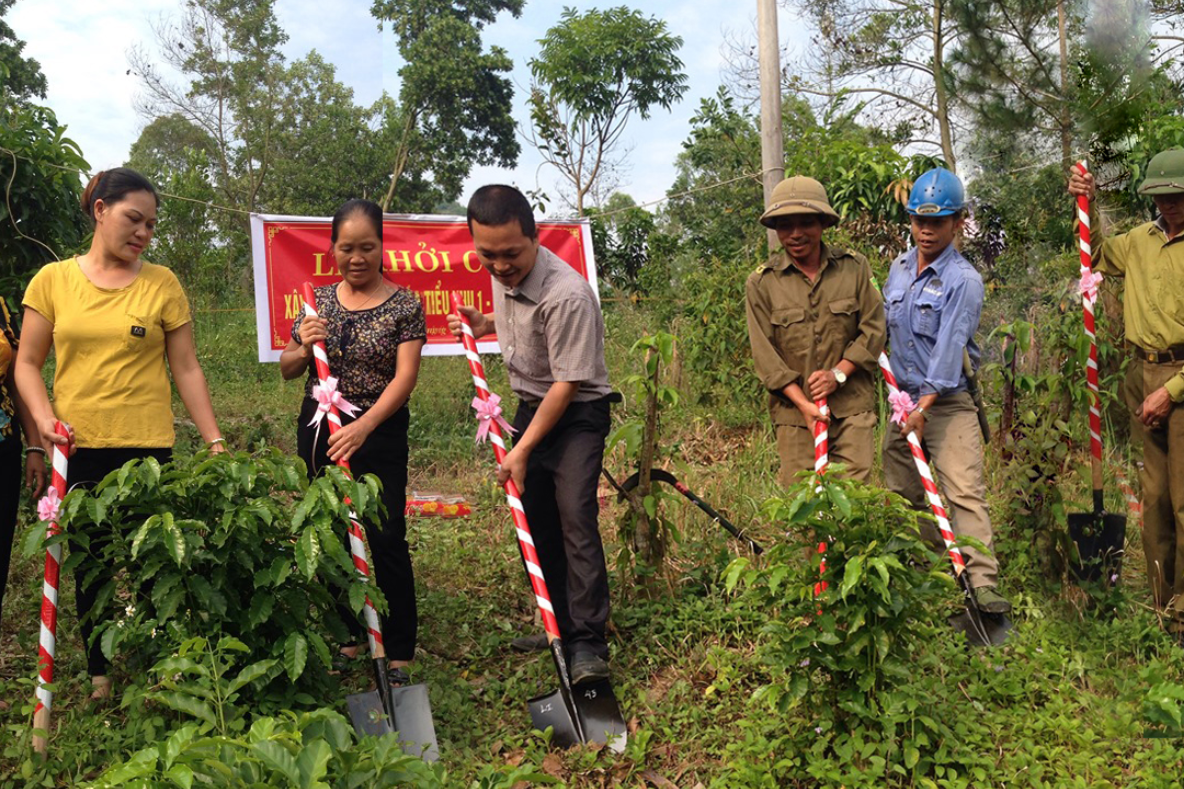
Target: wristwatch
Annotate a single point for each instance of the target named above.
(840, 376)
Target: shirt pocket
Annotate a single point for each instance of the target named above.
(139, 332)
(530, 358)
(894, 310)
(789, 328)
(927, 320)
(844, 317)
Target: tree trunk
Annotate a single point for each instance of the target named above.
(939, 86)
(649, 541)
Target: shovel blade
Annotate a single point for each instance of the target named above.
(368, 715)
(412, 720)
(600, 714)
(1100, 538)
(987, 630)
(551, 710)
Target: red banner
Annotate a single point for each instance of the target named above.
(431, 255)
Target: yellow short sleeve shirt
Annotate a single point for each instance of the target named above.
(111, 383)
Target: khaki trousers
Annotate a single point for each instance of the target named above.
(850, 441)
(954, 445)
(1162, 481)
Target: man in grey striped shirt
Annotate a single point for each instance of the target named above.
(551, 332)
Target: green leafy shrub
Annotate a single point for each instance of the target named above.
(223, 748)
(222, 545)
(852, 650)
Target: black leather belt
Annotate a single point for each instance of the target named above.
(1173, 354)
(610, 398)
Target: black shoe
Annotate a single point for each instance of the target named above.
(587, 667)
(397, 677)
(532, 643)
(342, 662)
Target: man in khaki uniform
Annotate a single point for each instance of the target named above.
(1151, 258)
(816, 326)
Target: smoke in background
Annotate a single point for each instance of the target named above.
(1119, 32)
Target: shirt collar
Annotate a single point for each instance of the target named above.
(531, 286)
(1162, 227)
(938, 267)
(783, 262)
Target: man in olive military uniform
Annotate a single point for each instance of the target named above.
(1151, 259)
(816, 326)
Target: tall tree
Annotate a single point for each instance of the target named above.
(1012, 68)
(39, 191)
(230, 52)
(891, 54)
(716, 199)
(166, 145)
(621, 239)
(594, 71)
(455, 102)
(20, 77)
(178, 157)
(327, 147)
(39, 185)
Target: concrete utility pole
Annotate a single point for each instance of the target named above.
(772, 151)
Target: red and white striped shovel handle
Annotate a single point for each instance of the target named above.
(47, 645)
(357, 535)
(821, 461)
(1091, 366)
(525, 541)
(927, 481)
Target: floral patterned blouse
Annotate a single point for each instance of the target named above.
(363, 345)
(8, 343)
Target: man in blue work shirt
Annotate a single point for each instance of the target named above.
(934, 299)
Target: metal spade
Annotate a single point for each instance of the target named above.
(403, 710)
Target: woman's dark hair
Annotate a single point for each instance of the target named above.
(497, 204)
(112, 186)
(366, 208)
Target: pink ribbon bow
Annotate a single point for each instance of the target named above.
(327, 396)
(901, 404)
(49, 505)
(1088, 286)
(488, 412)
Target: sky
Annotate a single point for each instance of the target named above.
(83, 46)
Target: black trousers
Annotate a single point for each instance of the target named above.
(85, 470)
(562, 475)
(10, 495)
(384, 454)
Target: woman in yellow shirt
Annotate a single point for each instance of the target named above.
(113, 321)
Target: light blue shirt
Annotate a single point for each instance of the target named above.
(932, 316)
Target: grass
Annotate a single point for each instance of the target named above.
(1063, 704)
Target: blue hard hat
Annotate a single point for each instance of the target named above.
(937, 193)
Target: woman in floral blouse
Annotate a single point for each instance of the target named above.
(374, 332)
(14, 416)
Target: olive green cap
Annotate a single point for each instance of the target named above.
(799, 195)
(1165, 174)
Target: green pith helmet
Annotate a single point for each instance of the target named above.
(1165, 174)
(799, 195)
